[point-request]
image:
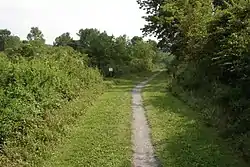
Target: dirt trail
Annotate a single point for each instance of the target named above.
(143, 155)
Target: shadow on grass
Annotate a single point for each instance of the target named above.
(179, 135)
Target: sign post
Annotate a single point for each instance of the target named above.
(111, 70)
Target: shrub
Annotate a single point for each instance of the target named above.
(31, 93)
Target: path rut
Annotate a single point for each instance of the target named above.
(143, 152)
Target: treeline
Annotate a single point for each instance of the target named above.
(210, 40)
(39, 81)
(122, 54)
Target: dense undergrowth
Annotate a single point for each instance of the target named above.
(179, 135)
(211, 72)
(32, 92)
(207, 102)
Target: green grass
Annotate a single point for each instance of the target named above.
(102, 137)
(179, 135)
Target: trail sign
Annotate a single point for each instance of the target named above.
(110, 69)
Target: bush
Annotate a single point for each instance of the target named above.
(31, 93)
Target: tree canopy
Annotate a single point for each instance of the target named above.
(63, 40)
(210, 41)
(35, 35)
(7, 40)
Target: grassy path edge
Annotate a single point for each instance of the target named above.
(179, 137)
(102, 136)
(143, 153)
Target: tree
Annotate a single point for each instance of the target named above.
(153, 44)
(210, 41)
(88, 37)
(142, 56)
(121, 50)
(7, 40)
(63, 40)
(4, 33)
(176, 23)
(1, 44)
(12, 42)
(223, 3)
(36, 35)
(136, 39)
(97, 45)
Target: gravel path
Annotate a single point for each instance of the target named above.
(143, 155)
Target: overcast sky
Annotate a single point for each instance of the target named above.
(55, 17)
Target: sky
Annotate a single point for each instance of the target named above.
(54, 17)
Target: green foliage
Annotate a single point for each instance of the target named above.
(29, 50)
(36, 35)
(136, 39)
(31, 93)
(1, 44)
(120, 53)
(179, 135)
(143, 55)
(12, 42)
(8, 41)
(210, 40)
(63, 40)
(4, 33)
